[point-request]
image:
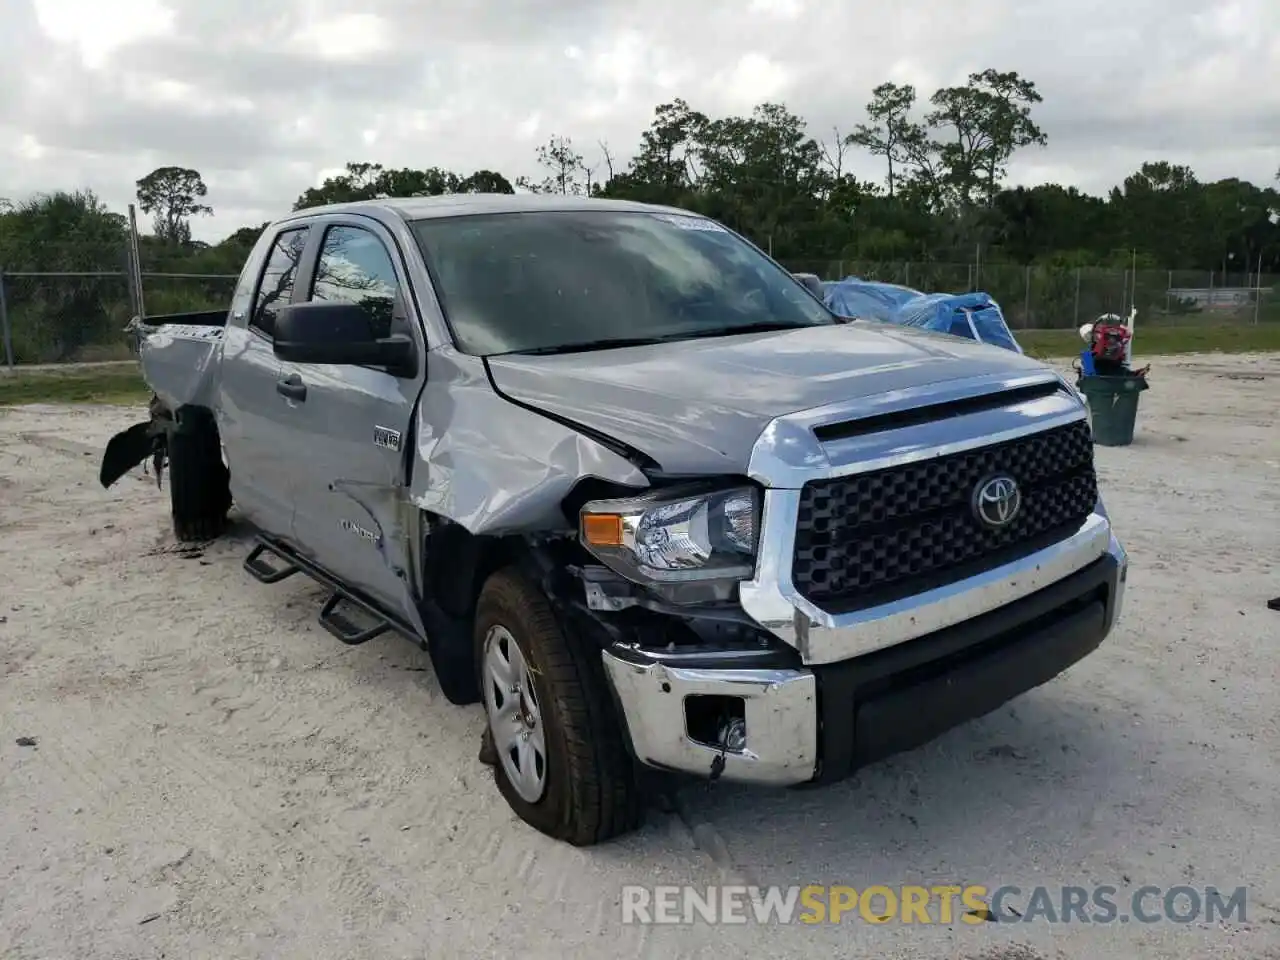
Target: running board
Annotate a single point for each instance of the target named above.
(264, 572)
(344, 627)
(336, 620)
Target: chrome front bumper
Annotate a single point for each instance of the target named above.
(781, 719)
(783, 734)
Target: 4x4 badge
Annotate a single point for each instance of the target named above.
(386, 437)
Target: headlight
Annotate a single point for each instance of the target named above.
(675, 535)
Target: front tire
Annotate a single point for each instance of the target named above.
(561, 763)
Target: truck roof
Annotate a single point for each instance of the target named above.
(474, 204)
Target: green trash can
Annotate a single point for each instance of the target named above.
(1113, 406)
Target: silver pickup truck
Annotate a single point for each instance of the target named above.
(634, 489)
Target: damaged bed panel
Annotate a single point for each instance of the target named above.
(180, 361)
(495, 467)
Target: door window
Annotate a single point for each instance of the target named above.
(355, 267)
(276, 287)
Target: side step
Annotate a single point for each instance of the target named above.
(351, 626)
(265, 572)
(333, 619)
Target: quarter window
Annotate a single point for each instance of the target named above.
(276, 287)
(354, 267)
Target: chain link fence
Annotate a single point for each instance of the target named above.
(52, 317)
(59, 317)
(1052, 297)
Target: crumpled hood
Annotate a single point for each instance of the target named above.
(698, 406)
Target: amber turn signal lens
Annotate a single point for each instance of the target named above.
(602, 529)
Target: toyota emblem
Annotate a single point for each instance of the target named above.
(996, 501)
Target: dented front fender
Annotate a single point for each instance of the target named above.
(493, 466)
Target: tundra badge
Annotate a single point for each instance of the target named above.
(386, 437)
(358, 530)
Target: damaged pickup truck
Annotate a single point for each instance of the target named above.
(634, 489)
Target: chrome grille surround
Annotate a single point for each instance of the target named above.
(788, 455)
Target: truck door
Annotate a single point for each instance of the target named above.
(349, 425)
(249, 407)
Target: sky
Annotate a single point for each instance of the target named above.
(266, 99)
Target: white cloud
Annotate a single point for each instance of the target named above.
(755, 79)
(784, 9)
(97, 29)
(29, 148)
(346, 38)
(527, 128)
(266, 99)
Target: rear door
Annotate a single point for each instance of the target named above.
(350, 425)
(250, 409)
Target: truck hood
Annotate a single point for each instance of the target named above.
(698, 406)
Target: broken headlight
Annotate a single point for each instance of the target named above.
(675, 535)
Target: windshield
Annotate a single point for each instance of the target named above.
(543, 281)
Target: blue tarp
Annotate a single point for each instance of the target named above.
(866, 299)
(974, 316)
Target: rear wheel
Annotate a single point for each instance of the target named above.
(561, 762)
(199, 482)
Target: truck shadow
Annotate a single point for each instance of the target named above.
(1037, 774)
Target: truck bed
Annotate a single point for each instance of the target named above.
(194, 318)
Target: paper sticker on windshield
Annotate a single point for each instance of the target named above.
(691, 223)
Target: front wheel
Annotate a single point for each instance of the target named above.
(561, 763)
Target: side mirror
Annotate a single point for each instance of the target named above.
(811, 283)
(337, 332)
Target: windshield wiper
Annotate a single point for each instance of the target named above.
(583, 346)
(764, 326)
(620, 342)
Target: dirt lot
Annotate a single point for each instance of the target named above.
(215, 776)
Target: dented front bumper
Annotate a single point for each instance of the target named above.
(821, 722)
(779, 708)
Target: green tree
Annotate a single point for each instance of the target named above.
(172, 195)
(563, 164)
(980, 126)
(372, 181)
(891, 133)
(63, 232)
(485, 181)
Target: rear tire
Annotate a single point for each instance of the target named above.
(588, 791)
(199, 482)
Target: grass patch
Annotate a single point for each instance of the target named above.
(111, 384)
(1152, 340)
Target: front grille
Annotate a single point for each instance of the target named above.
(875, 537)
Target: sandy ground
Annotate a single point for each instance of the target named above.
(215, 776)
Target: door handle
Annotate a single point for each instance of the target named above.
(292, 387)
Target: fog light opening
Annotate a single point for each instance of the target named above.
(717, 721)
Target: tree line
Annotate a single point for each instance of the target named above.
(943, 197)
